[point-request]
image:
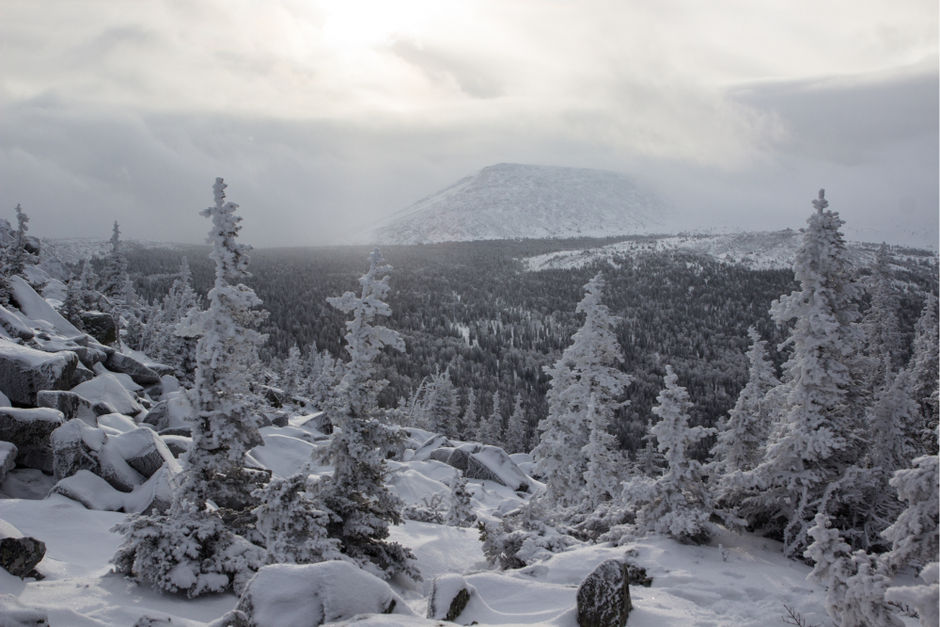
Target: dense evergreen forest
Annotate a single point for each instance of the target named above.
(470, 309)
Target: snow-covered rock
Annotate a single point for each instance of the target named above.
(604, 596)
(99, 325)
(7, 459)
(73, 405)
(137, 370)
(313, 594)
(433, 443)
(37, 309)
(174, 411)
(18, 554)
(75, 447)
(449, 597)
(29, 430)
(91, 491)
(108, 388)
(13, 326)
(484, 462)
(24, 371)
(144, 451)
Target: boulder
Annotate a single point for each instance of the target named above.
(99, 325)
(433, 443)
(604, 596)
(140, 373)
(304, 595)
(14, 326)
(19, 555)
(30, 431)
(108, 388)
(37, 309)
(178, 444)
(91, 491)
(74, 405)
(81, 375)
(25, 371)
(15, 614)
(144, 451)
(7, 459)
(113, 468)
(492, 463)
(449, 597)
(75, 447)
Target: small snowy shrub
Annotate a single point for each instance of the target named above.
(190, 554)
(522, 538)
(460, 513)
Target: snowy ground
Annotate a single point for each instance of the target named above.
(737, 580)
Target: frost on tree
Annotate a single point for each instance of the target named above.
(294, 528)
(491, 426)
(460, 513)
(855, 583)
(676, 503)
(166, 337)
(192, 549)
(517, 436)
(356, 493)
(604, 461)
(818, 433)
(742, 436)
(914, 535)
(923, 368)
(114, 273)
(587, 368)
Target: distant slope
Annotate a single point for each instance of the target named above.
(757, 251)
(514, 201)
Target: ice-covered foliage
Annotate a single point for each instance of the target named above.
(523, 537)
(491, 425)
(193, 554)
(817, 435)
(923, 598)
(356, 493)
(165, 338)
(191, 549)
(226, 426)
(586, 369)
(604, 460)
(517, 435)
(741, 437)
(294, 528)
(114, 273)
(923, 367)
(676, 503)
(460, 513)
(855, 583)
(468, 421)
(914, 535)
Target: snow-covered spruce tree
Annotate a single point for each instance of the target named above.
(923, 366)
(914, 535)
(17, 254)
(922, 598)
(166, 338)
(855, 582)
(460, 513)
(192, 549)
(72, 305)
(819, 432)
(325, 373)
(88, 287)
(356, 493)
(468, 420)
(742, 436)
(294, 529)
(114, 273)
(292, 377)
(491, 425)
(586, 369)
(604, 461)
(517, 436)
(676, 503)
(439, 405)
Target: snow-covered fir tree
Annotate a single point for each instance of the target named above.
(855, 583)
(460, 513)
(294, 529)
(438, 408)
(356, 493)
(192, 549)
(923, 598)
(914, 535)
(883, 345)
(604, 466)
(517, 435)
(292, 376)
(114, 272)
(18, 254)
(88, 287)
(324, 374)
(739, 446)
(676, 503)
(819, 433)
(491, 425)
(923, 366)
(469, 418)
(586, 369)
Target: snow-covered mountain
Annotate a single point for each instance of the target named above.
(516, 201)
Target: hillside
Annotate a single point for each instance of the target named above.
(515, 201)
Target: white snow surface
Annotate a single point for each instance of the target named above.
(513, 201)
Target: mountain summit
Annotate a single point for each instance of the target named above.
(516, 201)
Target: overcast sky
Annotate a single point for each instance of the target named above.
(323, 116)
